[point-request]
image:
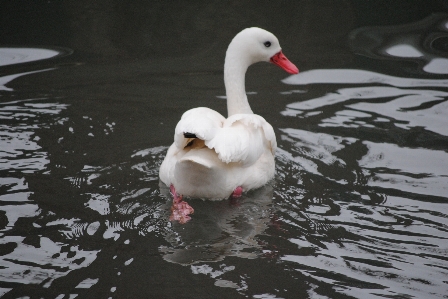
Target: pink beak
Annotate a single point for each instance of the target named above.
(283, 62)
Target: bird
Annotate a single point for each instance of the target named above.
(214, 157)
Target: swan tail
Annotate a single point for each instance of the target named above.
(197, 161)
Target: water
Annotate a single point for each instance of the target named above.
(358, 208)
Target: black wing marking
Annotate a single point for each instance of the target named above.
(189, 135)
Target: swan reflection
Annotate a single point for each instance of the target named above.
(220, 229)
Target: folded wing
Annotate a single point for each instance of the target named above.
(201, 122)
(242, 138)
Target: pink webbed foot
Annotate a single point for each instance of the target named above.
(237, 192)
(180, 209)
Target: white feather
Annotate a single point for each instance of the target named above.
(202, 121)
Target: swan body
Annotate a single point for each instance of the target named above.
(212, 156)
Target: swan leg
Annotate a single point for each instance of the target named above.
(180, 209)
(237, 192)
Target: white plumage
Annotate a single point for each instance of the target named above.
(211, 156)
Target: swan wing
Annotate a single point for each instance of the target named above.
(243, 139)
(202, 123)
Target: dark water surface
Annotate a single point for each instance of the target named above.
(90, 94)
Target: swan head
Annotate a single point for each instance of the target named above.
(255, 45)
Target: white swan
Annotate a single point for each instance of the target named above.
(213, 157)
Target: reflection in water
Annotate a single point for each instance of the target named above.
(424, 41)
(6, 79)
(403, 111)
(28, 258)
(388, 169)
(349, 76)
(9, 56)
(418, 171)
(388, 150)
(227, 228)
(21, 55)
(19, 151)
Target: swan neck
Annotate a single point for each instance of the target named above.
(234, 80)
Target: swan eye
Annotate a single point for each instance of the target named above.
(267, 44)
